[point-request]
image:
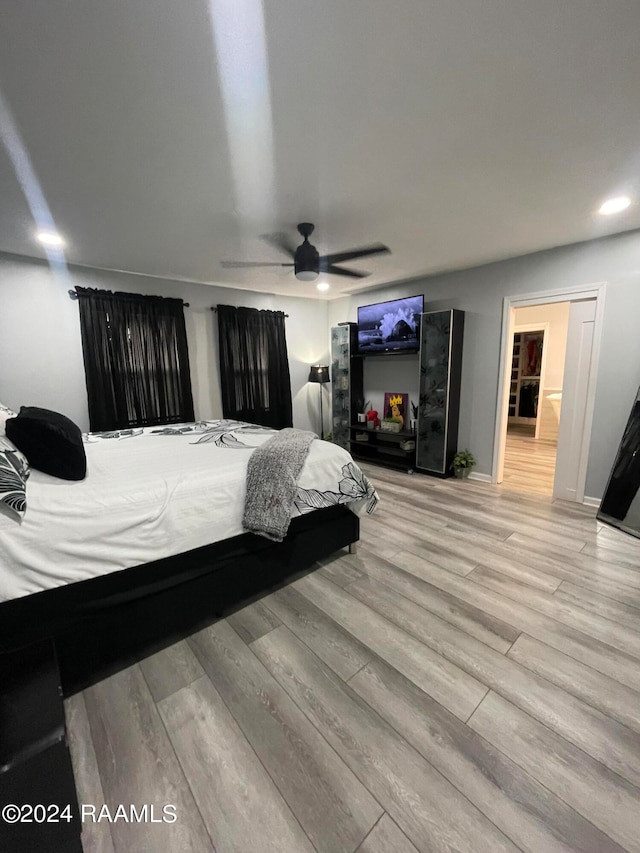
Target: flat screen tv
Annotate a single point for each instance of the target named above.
(390, 327)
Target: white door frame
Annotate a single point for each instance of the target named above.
(595, 291)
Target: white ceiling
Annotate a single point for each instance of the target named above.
(166, 135)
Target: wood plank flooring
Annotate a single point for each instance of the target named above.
(469, 681)
(529, 464)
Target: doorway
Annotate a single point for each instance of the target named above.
(539, 343)
(548, 365)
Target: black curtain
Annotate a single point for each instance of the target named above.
(254, 367)
(136, 359)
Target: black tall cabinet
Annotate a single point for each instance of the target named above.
(346, 382)
(441, 335)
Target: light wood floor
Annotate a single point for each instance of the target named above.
(529, 464)
(470, 681)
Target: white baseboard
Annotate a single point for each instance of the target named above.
(591, 501)
(481, 478)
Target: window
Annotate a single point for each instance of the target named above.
(136, 359)
(254, 367)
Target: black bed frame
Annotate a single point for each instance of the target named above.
(104, 624)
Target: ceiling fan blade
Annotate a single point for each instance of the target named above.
(280, 241)
(232, 265)
(340, 257)
(329, 268)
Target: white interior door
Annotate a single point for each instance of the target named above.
(578, 386)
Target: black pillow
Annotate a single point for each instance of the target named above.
(50, 441)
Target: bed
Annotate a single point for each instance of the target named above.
(150, 546)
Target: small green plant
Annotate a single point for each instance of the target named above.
(463, 459)
(393, 420)
(362, 405)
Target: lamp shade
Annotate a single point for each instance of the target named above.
(319, 373)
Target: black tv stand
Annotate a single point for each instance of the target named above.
(382, 447)
(439, 367)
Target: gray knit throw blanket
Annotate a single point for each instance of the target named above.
(272, 482)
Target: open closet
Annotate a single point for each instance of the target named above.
(526, 370)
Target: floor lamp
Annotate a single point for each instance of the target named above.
(320, 373)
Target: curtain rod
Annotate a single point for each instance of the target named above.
(74, 295)
(215, 308)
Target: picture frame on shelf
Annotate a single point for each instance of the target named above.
(396, 406)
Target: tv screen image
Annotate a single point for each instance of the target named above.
(390, 327)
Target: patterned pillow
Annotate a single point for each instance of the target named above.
(14, 471)
(5, 412)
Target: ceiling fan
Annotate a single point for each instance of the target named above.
(307, 263)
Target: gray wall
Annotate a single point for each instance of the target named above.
(391, 373)
(479, 292)
(41, 353)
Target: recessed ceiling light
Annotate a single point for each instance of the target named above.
(50, 238)
(614, 205)
(322, 285)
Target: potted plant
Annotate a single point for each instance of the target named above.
(414, 419)
(462, 463)
(391, 424)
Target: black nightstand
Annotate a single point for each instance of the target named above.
(35, 765)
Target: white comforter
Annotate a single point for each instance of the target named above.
(150, 494)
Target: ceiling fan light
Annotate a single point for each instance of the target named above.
(307, 262)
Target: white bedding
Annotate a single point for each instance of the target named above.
(150, 494)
